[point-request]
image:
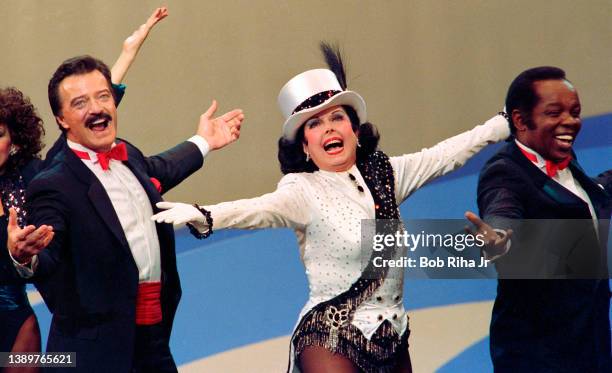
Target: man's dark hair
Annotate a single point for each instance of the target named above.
(74, 66)
(522, 95)
(291, 153)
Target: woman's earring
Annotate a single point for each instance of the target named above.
(307, 157)
(358, 144)
(13, 150)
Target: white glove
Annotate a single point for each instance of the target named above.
(178, 213)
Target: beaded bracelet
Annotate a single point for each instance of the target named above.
(505, 115)
(209, 221)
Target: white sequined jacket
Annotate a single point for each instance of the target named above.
(325, 210)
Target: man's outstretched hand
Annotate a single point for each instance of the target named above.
(495, 240)
(24, 243)
(222, 130)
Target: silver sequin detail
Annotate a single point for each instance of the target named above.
(12, 189)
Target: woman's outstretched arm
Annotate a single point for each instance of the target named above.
(132, 45)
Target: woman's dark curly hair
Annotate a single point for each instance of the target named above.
(291, 153)
(24, 126)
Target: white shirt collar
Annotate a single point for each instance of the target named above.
(352, 170)
(93, 156)
(541, 162)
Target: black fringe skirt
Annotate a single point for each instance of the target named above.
(376, 355)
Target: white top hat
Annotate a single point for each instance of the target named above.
(310, 92)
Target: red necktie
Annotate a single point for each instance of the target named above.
(119, 152)
(551, 167)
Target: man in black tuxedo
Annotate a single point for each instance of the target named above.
(109, 274)
(551, 313)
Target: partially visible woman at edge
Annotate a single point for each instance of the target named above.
(21, 132)
(354, 320)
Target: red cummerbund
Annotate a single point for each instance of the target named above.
(148, 305)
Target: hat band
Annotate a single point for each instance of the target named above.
(315, 100)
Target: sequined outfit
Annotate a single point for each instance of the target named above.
(14, 305)
(325, 209)
(328, 324)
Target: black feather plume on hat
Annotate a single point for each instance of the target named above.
(333, 58)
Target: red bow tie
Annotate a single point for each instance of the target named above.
(119, 152)
(551, 167)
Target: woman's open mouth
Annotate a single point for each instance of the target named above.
(333, 145)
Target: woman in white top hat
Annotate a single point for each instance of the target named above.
(354, 320)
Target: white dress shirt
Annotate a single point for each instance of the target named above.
(325, 210)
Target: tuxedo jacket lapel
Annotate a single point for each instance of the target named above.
(547, 185)
(599, 199)
(98, 197)
(146, 183)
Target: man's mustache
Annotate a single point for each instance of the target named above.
(96, 117)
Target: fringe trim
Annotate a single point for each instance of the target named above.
(378, 355)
